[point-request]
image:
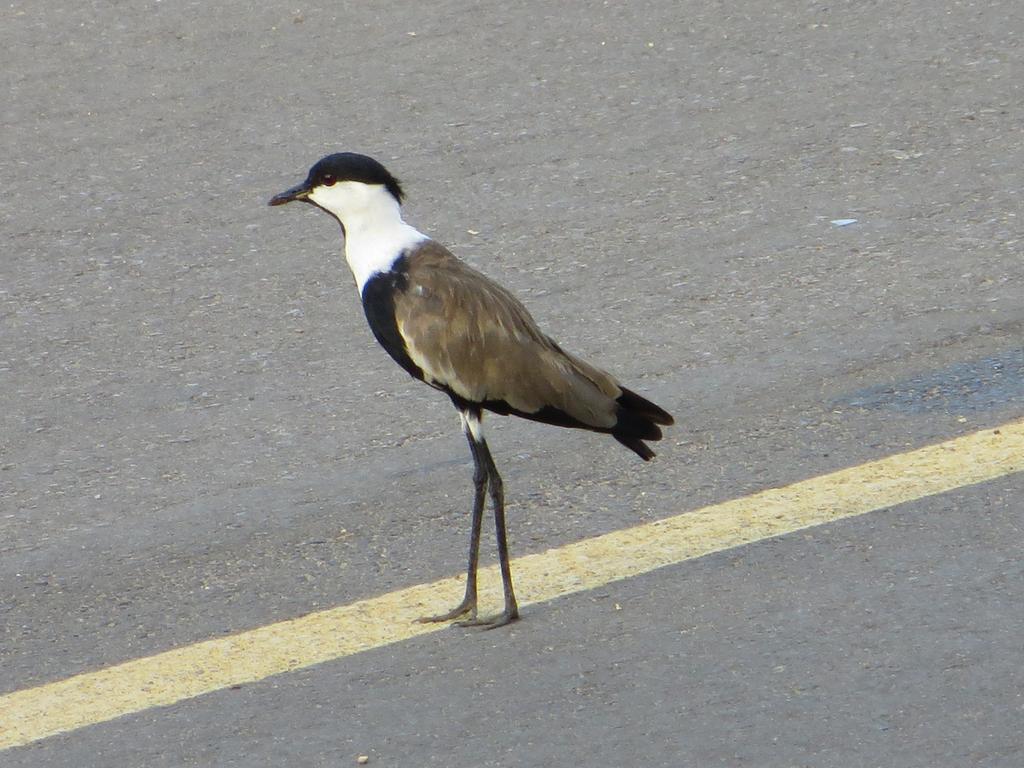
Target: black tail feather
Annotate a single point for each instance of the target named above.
(631, 401)
(638, 420)
(635, 444)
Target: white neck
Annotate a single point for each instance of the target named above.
(375, 234)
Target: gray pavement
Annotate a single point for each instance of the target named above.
(198, 434)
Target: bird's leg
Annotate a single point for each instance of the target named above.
(511, 612)
(480, 476)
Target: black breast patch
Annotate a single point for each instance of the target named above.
(379, 294)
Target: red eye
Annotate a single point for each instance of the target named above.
(328, 180)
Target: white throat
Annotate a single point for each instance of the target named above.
(375, 234)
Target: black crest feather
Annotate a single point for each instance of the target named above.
(350, 166)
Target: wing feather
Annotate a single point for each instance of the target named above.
(474, 338)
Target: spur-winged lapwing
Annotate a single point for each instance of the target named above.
(458, 331)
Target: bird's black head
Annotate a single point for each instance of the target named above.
(342, 166)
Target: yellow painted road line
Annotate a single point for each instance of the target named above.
(95, 697)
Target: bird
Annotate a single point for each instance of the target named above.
(452, 327)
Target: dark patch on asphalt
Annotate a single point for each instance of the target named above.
(978, 385)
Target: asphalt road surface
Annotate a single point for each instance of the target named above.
(199, 436)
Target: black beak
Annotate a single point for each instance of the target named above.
(300, 192)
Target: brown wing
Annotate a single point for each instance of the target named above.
(473, 337)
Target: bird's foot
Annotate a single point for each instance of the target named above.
(468, 605)
(491, 622)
